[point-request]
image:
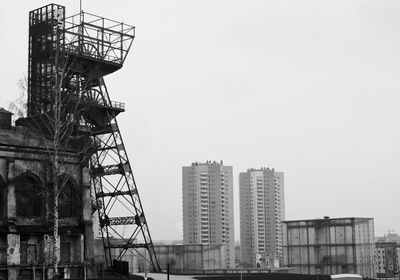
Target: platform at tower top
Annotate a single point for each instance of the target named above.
(85, 35)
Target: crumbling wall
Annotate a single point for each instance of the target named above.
(25, 240)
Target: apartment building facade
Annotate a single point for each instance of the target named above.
(387, 259)
(262, 208)
(207, 196)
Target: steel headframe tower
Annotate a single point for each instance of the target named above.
(72, 55)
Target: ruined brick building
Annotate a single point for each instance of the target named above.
(25, 207)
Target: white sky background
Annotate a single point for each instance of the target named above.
(310, 88)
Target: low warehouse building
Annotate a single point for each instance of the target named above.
(330, 246)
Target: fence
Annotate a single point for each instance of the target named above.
(41, 272)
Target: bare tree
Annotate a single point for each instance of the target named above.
(55, 128)
(19, 105)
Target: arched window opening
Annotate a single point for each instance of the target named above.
(29, 196)
(68, 199)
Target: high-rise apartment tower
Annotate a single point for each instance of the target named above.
(262, 208)
(207, 191)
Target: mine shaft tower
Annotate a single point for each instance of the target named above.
(70, 56)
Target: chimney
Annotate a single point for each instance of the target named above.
(5, 119)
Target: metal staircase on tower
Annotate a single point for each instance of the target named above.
(72, 55)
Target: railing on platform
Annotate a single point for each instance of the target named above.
(87, 100)
(119, 105)
(97, 37)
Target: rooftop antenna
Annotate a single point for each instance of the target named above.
(80, 28)
(80, 12)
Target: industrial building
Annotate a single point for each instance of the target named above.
(179, 258)
(207, 190)
(26, 199)
(191, 258)
(330, 246)
(262, 208)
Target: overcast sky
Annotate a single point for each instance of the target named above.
(310, 88)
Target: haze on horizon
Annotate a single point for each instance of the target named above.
(310, 88)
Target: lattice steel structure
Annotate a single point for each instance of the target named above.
(70, 56)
